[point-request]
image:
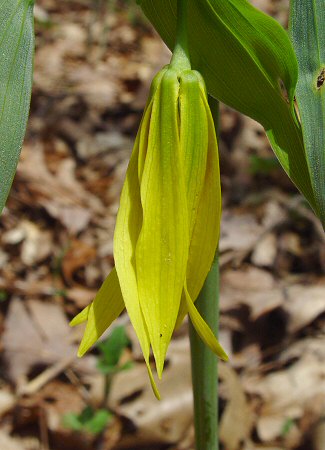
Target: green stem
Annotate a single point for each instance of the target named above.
(204, 362)
(107, 389)
(180, 58)
(205, 366)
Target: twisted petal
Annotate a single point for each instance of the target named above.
(128, 226)
(193, 140)
(167, 227)
(206, 229)
(162, 248)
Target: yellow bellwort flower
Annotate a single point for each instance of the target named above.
(168, 223)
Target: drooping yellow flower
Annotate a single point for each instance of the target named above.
(168, 223)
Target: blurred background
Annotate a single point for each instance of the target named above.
(93, 66)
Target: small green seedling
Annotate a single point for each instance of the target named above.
(3, 296)
(287, 426)
(89, 420)
(111, 350)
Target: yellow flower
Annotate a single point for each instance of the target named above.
(168, 223)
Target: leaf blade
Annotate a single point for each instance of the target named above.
(307, 27)
(243, 55)
(16, 50)
(162, 247)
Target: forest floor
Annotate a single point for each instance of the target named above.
(93, 66)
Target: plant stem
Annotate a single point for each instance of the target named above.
(205, 366)
(180, 58)
(204, 362)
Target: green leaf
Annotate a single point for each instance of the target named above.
(98, 422)
(288, 424)
(88, 420)
(16, 50)
(3, 296)
(262, 165)
(307, 26)
(111, 350)
(247, 61)
(72, 421)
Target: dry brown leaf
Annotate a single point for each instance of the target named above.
(80, 296)
(36, 243)
(239, 232)
(46, 409)
(59, 398)
(61, 195)
(109, 142)
(290, 243)
(7, 401)
(265, 251)
(79, 255)
(253, 287)
(248, 278)
(38, 333)
(273, 214)
(237, 419)
(258, 290)
(31, 285)
(287, 394)
(303, 305)
(9, 443)
(318, 436)
(310, 345)
(166, 421)
(253, 446)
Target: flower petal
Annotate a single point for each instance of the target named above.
(203, 329)
(162, 247)
(193, 140)
(205, 235)
(127, 229)
(81, 317)
(106, 307)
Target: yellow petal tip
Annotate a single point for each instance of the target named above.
(81, 352)
(224, 356)
(153, 383)
(84, 346)
(81, 317)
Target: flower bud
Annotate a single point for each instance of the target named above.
(168, 223)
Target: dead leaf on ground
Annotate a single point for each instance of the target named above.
(166, 421)
(265, 251)
(10, 443)
(237, 420)
(78, 255)
(239, 232)
(287, 394)
(38, 333)
(253, 287)
(80, 296)
(7, 401)
(61, 195)
(36, 243)
(303, 305)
